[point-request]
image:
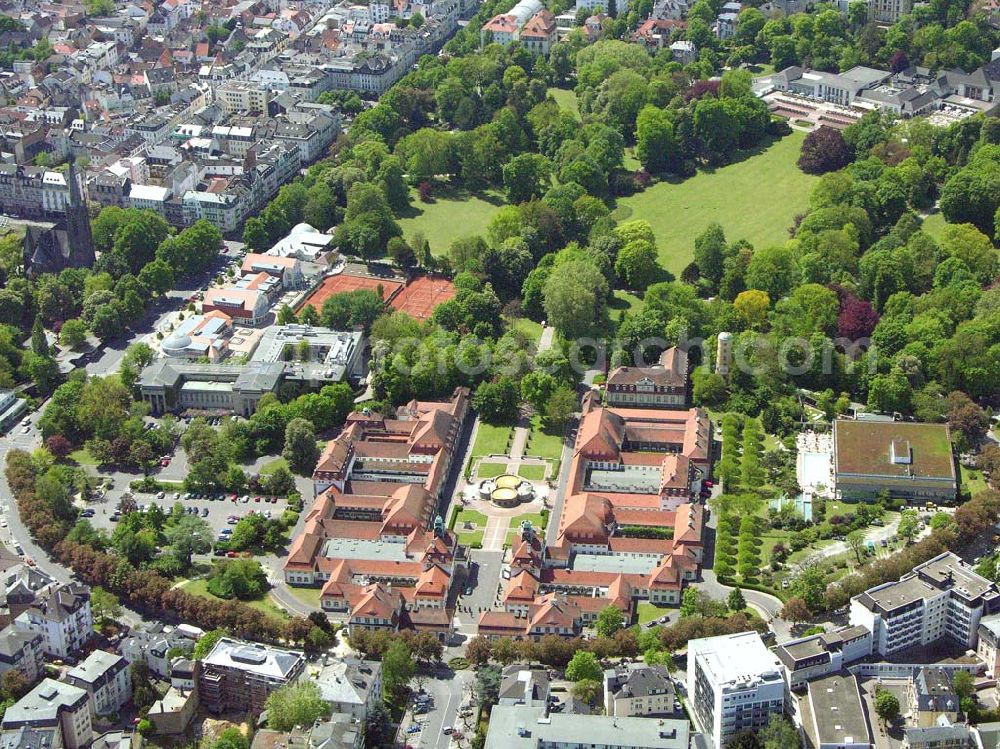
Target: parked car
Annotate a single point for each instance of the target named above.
(204, 512)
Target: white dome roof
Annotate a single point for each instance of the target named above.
(175, 344)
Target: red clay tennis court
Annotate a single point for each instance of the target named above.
(345, 282)
(422, 295)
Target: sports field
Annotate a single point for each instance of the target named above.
(344, 282)
(419, 298)
(755, 199)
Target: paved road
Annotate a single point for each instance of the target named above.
(449, 695)
(768, 606)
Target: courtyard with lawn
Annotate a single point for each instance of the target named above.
(755, 198)
(539, 521)
(490, 470)
(649, 612)
(972, 480)
(532, 472)
(491, 440)
(543, 443)
(469, 526)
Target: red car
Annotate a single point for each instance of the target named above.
(256, 499)
(232, 554)
(165, 462)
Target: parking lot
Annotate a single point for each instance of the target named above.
(220, 511)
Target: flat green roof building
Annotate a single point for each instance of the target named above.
(907, 460)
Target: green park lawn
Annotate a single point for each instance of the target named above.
(626, 300)
(528, 328)
(761, 69)
(83, 457)
(756, 199)
(973, 480)
(531, 472)
(199, 587)
(934, 224)
(542, 444)
(453, 214)
(491, 440)
(566, 99)
(486, 470)
(308, 596)
(268, 468)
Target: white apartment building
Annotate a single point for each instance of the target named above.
(940, 598)
(107, 678)
(54, 705)
(734, 683)
(62, 616)
(242, 96)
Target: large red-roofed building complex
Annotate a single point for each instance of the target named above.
(373, 539)
(630, 527)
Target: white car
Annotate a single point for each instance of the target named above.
(3, 523)
(26, 430)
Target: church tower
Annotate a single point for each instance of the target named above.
(78, 223)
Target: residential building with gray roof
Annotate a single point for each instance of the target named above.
(941, 599)
(61, 614)
(107, 679)
(351, 686)
(239, 675)
(57, 706)
(640, 690)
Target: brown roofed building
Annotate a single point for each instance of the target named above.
(539, 33)
(664, 385)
